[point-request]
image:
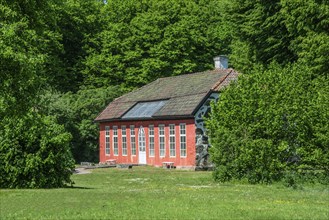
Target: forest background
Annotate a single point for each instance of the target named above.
(63, 61)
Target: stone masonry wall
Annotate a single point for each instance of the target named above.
(201, 142)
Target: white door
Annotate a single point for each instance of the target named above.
(141, 145)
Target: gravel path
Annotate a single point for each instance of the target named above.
(81, 171)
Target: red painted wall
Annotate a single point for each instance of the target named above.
(156, 160)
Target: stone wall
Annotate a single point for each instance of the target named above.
(201, 142)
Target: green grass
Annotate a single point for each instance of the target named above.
(156, 193)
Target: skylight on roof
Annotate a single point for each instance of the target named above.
(145, 109)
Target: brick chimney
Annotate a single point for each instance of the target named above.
(221, 62)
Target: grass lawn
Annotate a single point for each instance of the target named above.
(156, 193)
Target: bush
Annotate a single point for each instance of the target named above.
(34, 153)
(76, 112)
(270, 122)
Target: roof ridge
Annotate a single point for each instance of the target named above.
(193, 73)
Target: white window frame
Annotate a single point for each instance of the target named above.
(182, 140)
(132, 140)
(172, 141)
(124, 140)
(141, 139)
(162, 144)
(107, 141)
(151, 141)
(115, 141)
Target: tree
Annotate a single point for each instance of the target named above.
(77, 111)
(258, 25)
(308, 23)
(270, 122)
(77, 21)
(281, 31)
(34, 153)
(34, 149)
(21, 62)
(142, 41)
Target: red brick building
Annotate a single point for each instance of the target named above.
(162, 121)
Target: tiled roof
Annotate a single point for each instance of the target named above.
(183, 93)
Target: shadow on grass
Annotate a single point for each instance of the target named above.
(77, 187)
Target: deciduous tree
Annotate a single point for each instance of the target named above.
(77, 111)
(34, 152)
(281, 30)
(142, 41)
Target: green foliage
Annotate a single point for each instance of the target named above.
(34, 153)
(269, 122)
(142, 41)
(276, 115)
(30, 44)
(259, 27)
(308, 22)
(77, 22)
(34, 148)
(20, 62)
(88, 52)
(76, 111)
(283, 31)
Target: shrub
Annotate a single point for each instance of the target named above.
(34, 153)
(77, 111)
(269, 122)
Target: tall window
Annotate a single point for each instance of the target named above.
(132, 140)
(141, 139)
(182, 132)
(107, 140)
(162, 140)
(124, 140)
(151, 140)
(172, 144)
(115, 141)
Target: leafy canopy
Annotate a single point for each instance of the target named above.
(269, 122)
(142, 41)
(77, 111)
(283, 31)
(34, 149)
(36, 154)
